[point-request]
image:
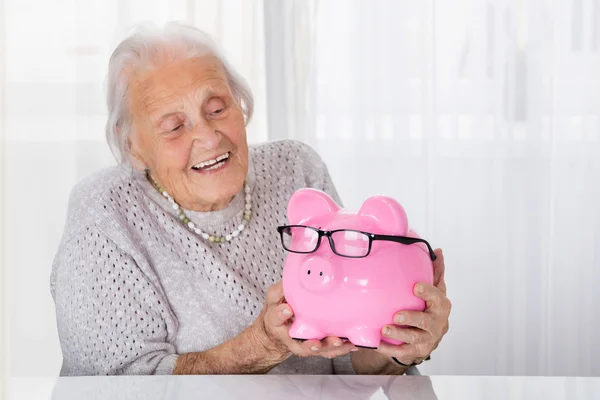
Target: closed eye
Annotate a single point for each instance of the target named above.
(217, 112)
(215, 106)
(172, 122)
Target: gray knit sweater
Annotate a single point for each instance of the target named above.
(134, 288)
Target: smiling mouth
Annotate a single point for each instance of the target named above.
(213, 164)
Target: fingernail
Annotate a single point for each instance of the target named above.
(401, 318)
(419, 288)
(354, 349)
(314, 348)
(287, 312)
(336, 344)
(387, 331)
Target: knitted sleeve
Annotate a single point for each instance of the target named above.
(111, 319)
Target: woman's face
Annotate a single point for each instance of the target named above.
(189, 131)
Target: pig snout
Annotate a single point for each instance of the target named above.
(317, 274)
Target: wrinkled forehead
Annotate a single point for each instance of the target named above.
(167, 82)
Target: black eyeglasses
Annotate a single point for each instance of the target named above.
(343, 242)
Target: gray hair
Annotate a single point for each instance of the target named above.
(140, 51)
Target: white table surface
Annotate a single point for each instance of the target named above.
(303, 387)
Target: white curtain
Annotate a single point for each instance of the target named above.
(482, 119)
(290, 39)
(480, 116)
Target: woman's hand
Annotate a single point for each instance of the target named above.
(271, 331)
(260, 347)
(421, 331)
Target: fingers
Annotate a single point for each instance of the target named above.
(409, 335)
(419, 331)
(436, 301)
(329, 347)
(275, 293)
(278, 316)
(333, 346)
(405, 353)
(442, 286)
(344, 349)
(307, 347)
(332, 342)
(421, 320)
(438, 267)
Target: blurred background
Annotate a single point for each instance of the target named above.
(482, 117)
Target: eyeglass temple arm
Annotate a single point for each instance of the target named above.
(407, 240)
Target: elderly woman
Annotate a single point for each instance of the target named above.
(170, 262)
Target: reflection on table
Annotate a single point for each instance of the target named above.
(296, 387)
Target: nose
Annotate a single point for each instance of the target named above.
(317, 274)
(205, 136)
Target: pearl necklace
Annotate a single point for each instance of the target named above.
(192, 227)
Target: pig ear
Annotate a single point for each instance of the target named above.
(307, 203)
(389, 215)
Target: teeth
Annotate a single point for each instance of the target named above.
(211, 162)
(215, 166)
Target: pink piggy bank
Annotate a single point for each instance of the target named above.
(347, 274)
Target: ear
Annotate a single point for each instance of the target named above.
(135, 159)
(389, 215)
(307, 203)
